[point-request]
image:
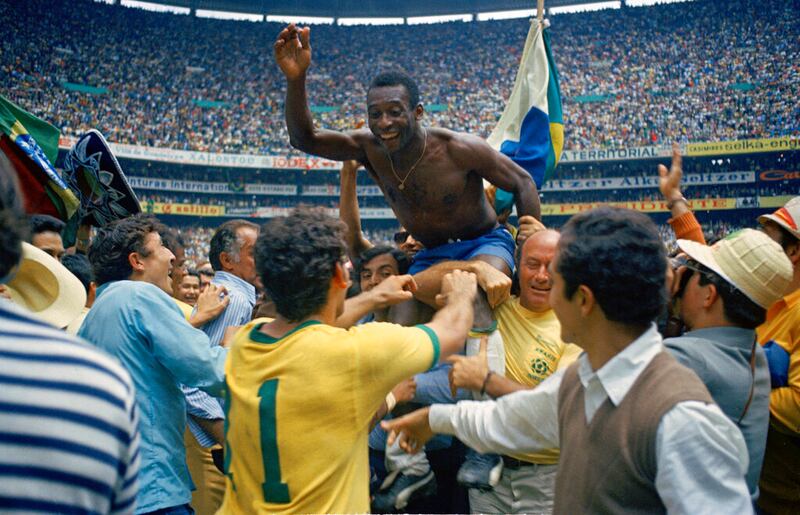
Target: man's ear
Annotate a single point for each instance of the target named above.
(711, 295)
(135, 260)
(419, 111)
(586, 299)
(794, 253)
(225, 260)
(341, 277)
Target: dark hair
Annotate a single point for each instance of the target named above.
(737, 307)
(397, 78)
(173, 240)
(619, 256)
(114, 242)
(225, 240)
(13, 225)
(193, 273)
(80, 267)
(296, 257)
(44, 223)
(403, 261)
(787, 239)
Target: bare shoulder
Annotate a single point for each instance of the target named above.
(363, 137)
(464, 147)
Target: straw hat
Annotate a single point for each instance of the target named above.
(787, 217)
(46, 288)
(749, 260)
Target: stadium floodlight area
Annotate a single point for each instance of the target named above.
(228, 15)
(370, 21)
(648, 3)
(305, 20)
(583, 8)
(419, 20)
(159, 8)
(506, 15)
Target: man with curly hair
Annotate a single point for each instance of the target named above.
(302, 393)
(135, 319)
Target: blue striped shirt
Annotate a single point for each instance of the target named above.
(239, 312)
(69, 439)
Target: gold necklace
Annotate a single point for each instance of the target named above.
(402, 181)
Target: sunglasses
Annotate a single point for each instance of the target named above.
(401, 237)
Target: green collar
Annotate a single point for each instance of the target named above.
(257, 336)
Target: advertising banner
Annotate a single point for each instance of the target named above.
(167, 208)
(332, 190)
(778, 175)
(644, 206)
(742, 146)
(613, 183)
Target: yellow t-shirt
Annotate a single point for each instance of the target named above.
(534, 350)
(783, 326)
(298, 411)
(186, 309)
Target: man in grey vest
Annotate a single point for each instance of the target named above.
(638, 432)
(723, 294)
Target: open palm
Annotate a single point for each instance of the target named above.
(293, 51)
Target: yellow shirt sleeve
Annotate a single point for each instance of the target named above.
(388, 353)
(783, 326)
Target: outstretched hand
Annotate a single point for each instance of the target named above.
(669, 181)
(412, 431)
(469, 371)
(394, 290)
(293, 51)
(457, 284)
(210, 304)
(495, 283)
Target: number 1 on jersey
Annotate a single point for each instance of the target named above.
(275, 491)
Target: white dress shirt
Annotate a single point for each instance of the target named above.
(701, 455)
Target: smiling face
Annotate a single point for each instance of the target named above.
(535, 281)
(189, 289)
(391, 119)
(156, 266)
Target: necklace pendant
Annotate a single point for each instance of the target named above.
(401, 186)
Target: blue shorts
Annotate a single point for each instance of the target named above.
(497, 242)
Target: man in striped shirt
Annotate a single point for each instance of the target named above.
(231, 255)
(69, 441)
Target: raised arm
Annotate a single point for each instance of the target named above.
(293, 55)
(683, 221)
(348, 211)
(473, 153)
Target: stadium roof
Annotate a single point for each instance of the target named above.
(365, 8)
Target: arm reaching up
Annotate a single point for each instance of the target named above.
(292, 51)
(348, 211)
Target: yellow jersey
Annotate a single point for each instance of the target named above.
(299, 408)
(783, 326)
(534, 351)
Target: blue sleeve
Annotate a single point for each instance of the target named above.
(238, 312)
(182, 349)
(778, 361)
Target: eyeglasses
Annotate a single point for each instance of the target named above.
(400, 237)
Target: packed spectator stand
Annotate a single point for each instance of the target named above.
(635, 76)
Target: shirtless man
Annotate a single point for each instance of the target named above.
(432, 178)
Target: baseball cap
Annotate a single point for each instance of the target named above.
(46, 288)
(749, 260)
(787, 217)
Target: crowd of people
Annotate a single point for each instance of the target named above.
(467, 364)
(703, 342)
(630, 77)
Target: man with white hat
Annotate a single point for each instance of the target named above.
(780, 336)
(724, 294)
